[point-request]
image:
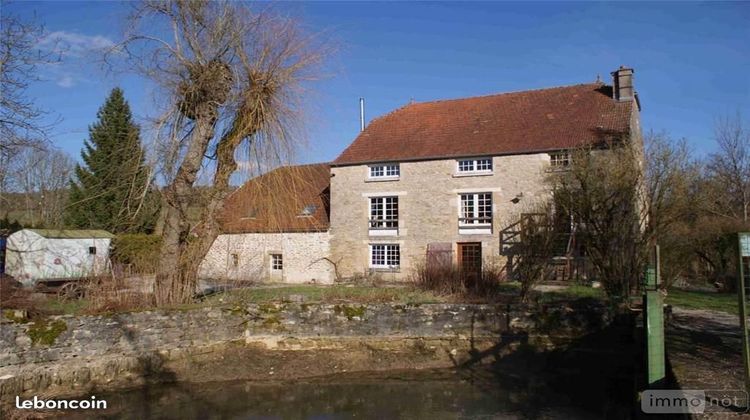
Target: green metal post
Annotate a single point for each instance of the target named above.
(743, 255)
(654, 320)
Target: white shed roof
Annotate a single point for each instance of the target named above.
(72, 233)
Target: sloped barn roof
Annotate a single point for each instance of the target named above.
(287, 199)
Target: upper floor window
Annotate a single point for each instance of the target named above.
(387, 171)
(252, 213)
(559, 160)
(385, 255)
(309, 210)
(467, 166)
(476, 210)
(383, 212)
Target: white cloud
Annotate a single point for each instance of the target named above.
(73, 44)
(66, 81)
(72, 49)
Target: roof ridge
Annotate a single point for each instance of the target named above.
(513, 92)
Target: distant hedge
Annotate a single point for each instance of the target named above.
(137, 251)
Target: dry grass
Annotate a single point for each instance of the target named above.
(449, 280)
(111, 294)
(325, 294)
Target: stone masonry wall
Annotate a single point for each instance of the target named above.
(302, 255)
(428, 194)
(63, 354)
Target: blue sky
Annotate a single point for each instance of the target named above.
(692, 60)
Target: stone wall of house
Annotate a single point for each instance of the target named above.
(247, 257)
(429, 201)
(65, 354)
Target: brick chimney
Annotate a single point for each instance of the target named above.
(622, 84)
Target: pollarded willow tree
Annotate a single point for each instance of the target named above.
(232, 80)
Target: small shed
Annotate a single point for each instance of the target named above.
(33, 255)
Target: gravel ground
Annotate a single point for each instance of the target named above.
(705, 352)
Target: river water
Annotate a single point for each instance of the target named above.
(436, 394)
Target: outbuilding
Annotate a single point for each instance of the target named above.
(274, 229)
(34, 255)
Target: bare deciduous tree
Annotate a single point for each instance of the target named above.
(671, 179)
(41, 175)
(534, 251)
(20, 117)
(232, 78)
(603, 191)
(729, 170)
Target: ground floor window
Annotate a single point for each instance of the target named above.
(385, 256)
(277, 262)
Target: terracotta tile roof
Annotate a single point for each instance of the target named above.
(274, 202)
(510, 123)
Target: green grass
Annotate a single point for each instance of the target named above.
(714, 301)
(573, 292)
(65, 307)
(326, 294)
(510, 287)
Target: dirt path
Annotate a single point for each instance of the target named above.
(705, 352)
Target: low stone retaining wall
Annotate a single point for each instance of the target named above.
(66, 354)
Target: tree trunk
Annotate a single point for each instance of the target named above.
(181, 253)
(175, 282)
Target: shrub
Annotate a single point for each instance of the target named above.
(448, 279)
(136, 252)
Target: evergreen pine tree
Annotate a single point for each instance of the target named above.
(111, 190)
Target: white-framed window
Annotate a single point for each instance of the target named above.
(476, 210)
(468, 166)
(384, 212)
(384, 171)
(560, 160)
(277, 262)
(385, 255)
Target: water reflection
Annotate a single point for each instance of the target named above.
(442, 394)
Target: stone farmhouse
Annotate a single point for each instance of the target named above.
(436, 177)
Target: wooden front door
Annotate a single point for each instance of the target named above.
(470, 260)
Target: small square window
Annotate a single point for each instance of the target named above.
(309, 210)
(92, 250)
(277, 262)
(559, 160)
(235, 260)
